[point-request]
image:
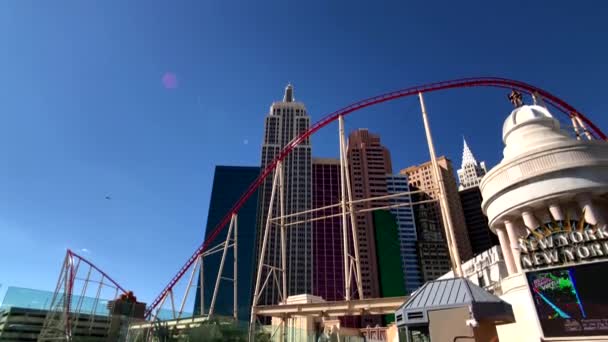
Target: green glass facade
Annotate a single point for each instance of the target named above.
(390, 272)
(229, 183)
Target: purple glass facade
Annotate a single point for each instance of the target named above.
(328, 279)
(328, 263)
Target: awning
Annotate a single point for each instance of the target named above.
(452, 293)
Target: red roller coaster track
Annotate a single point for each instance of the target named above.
(69, 270)
(73, 255)
(72, 274)
(495, 82)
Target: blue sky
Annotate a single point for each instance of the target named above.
(84, 113)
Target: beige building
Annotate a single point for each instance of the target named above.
(369, 163)
(434, 261)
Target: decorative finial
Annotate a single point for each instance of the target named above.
(516, 98)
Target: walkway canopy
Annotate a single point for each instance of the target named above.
(452, 293)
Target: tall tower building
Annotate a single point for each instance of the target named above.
(406, 230)
(328, 262)
(470, 172)
(470, 175)
(229, 183)
(286, 120)
(327, 252)
(369, 163)
(420, 177)
(431, 246)
(480, 235)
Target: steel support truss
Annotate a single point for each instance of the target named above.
(76, 308)
(272, 270)
(350, 241)
(231, 241)
(351, 260)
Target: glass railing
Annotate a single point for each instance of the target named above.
(167, 314)
(274, 334)
(42, 300)
(228, 331)
(26, 298)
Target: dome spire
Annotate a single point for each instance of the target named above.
(288, 97)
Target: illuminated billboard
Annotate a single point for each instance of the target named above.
(563, 242)
(571, 301)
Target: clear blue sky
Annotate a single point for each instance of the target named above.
(84, 112)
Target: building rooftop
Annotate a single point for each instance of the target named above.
(332, 161)
(416, 167)
(451, 293)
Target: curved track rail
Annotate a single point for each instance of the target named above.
(60, 308)
(495, 82)
(72, 255)
(72, 275)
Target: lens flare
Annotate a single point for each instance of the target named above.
(169, 80)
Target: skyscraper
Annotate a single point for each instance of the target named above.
(229, 183)
(369, 163)
(470, 175)
(420, 177)
(470, 172)
(406, 228)
(285, 121)
(431, 245)
(328, 262)
(480, 235)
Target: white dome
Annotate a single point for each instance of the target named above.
(542, 164)
(528, 128)
(525, 115)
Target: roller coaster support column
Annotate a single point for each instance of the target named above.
(202, 284)
(220, 271)
(347, 198)
(283, 295)
(345, 245)
(235, 268)
(283, 232)
(258, 281)
(445, 208)
(575, 126)
(584, 128)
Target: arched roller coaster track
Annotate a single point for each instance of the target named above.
(494, 82)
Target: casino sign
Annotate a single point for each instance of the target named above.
(563, 242)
